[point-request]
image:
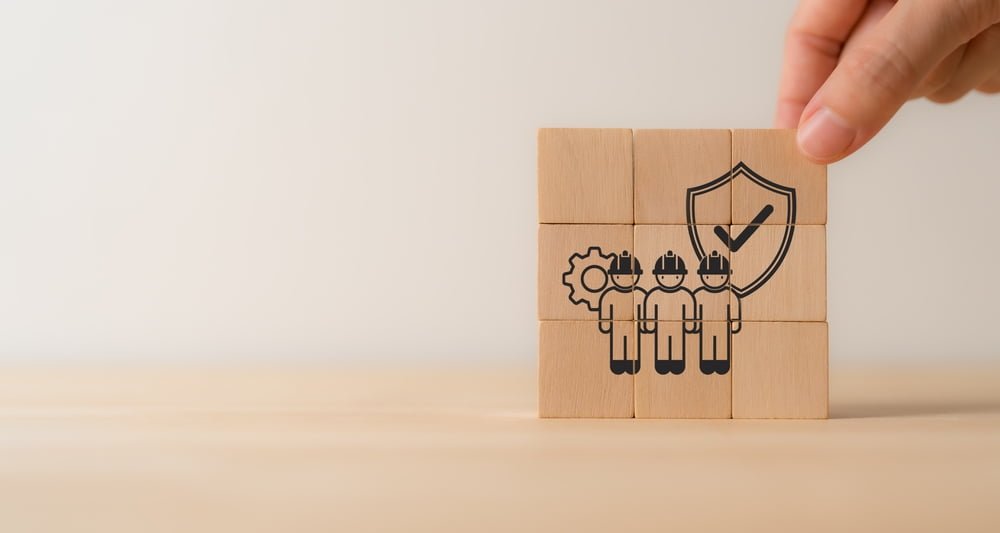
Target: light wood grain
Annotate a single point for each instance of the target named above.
(556, 244)
(780, 370)
(668, 162)
(415, 444)
(692, 394)
(585, 176)
(774, 155)
(574, 377)
(797, 290)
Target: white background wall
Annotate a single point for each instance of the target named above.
(356, 180)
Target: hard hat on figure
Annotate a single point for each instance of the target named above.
(713, 265)
(625, 264)
(669, 264)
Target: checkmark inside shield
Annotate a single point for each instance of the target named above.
(734, 244)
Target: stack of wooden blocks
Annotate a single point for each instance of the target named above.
(681, 274)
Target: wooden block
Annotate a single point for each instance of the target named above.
(682, 377)
(584, 372)
(770, 171)
(780, 273)
(780, 370)
(585, 176)
(577, 278)
(686, 273)
(682, 176)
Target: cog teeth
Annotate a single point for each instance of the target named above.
(573, 298)
(573, 278)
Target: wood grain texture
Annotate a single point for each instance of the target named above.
(780, 370)
(690, 394)
(797, 290)
(556, 244)
(574, 378)
(423, 444)
(774, 155)
(653, 241)
(668, 162)
(585, 176)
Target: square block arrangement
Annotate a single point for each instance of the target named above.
(681, 274)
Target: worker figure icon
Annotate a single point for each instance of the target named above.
(616, 301)
(666, 315)
(719, 313)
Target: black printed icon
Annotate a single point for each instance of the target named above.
(716, 295)
(587, 277)
(605, 282)
(734, 245)
(779, 200)
(667, 313)
(624, 273)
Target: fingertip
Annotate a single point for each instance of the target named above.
(825, 137)
(945, 97)
(991, 86)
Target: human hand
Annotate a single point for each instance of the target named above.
(851, 64)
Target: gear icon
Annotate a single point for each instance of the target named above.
(587, 277)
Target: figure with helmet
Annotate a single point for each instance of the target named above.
(667, 313)
(615, 302)
(719, 305)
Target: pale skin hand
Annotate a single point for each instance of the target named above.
(851, 64)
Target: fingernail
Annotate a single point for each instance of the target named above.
(825, 135)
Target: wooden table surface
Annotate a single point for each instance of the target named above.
(312, 448)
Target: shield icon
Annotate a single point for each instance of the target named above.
(770, 198)
(713, 192)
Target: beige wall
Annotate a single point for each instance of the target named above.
(356, 179)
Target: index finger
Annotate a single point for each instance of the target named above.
(815, 38)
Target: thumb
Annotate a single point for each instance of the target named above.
(876, 75)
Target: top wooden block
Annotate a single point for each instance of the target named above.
(585, 176)
(773, 183)
(682, 176)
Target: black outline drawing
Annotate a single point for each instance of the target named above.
(610, 265)
(623, 264)
(741, 169)
(733, 325)
(589, 261)
(668, 365)
(734, 245)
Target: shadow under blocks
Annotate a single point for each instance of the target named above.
(681, 274)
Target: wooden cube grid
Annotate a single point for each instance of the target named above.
(682, 274)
